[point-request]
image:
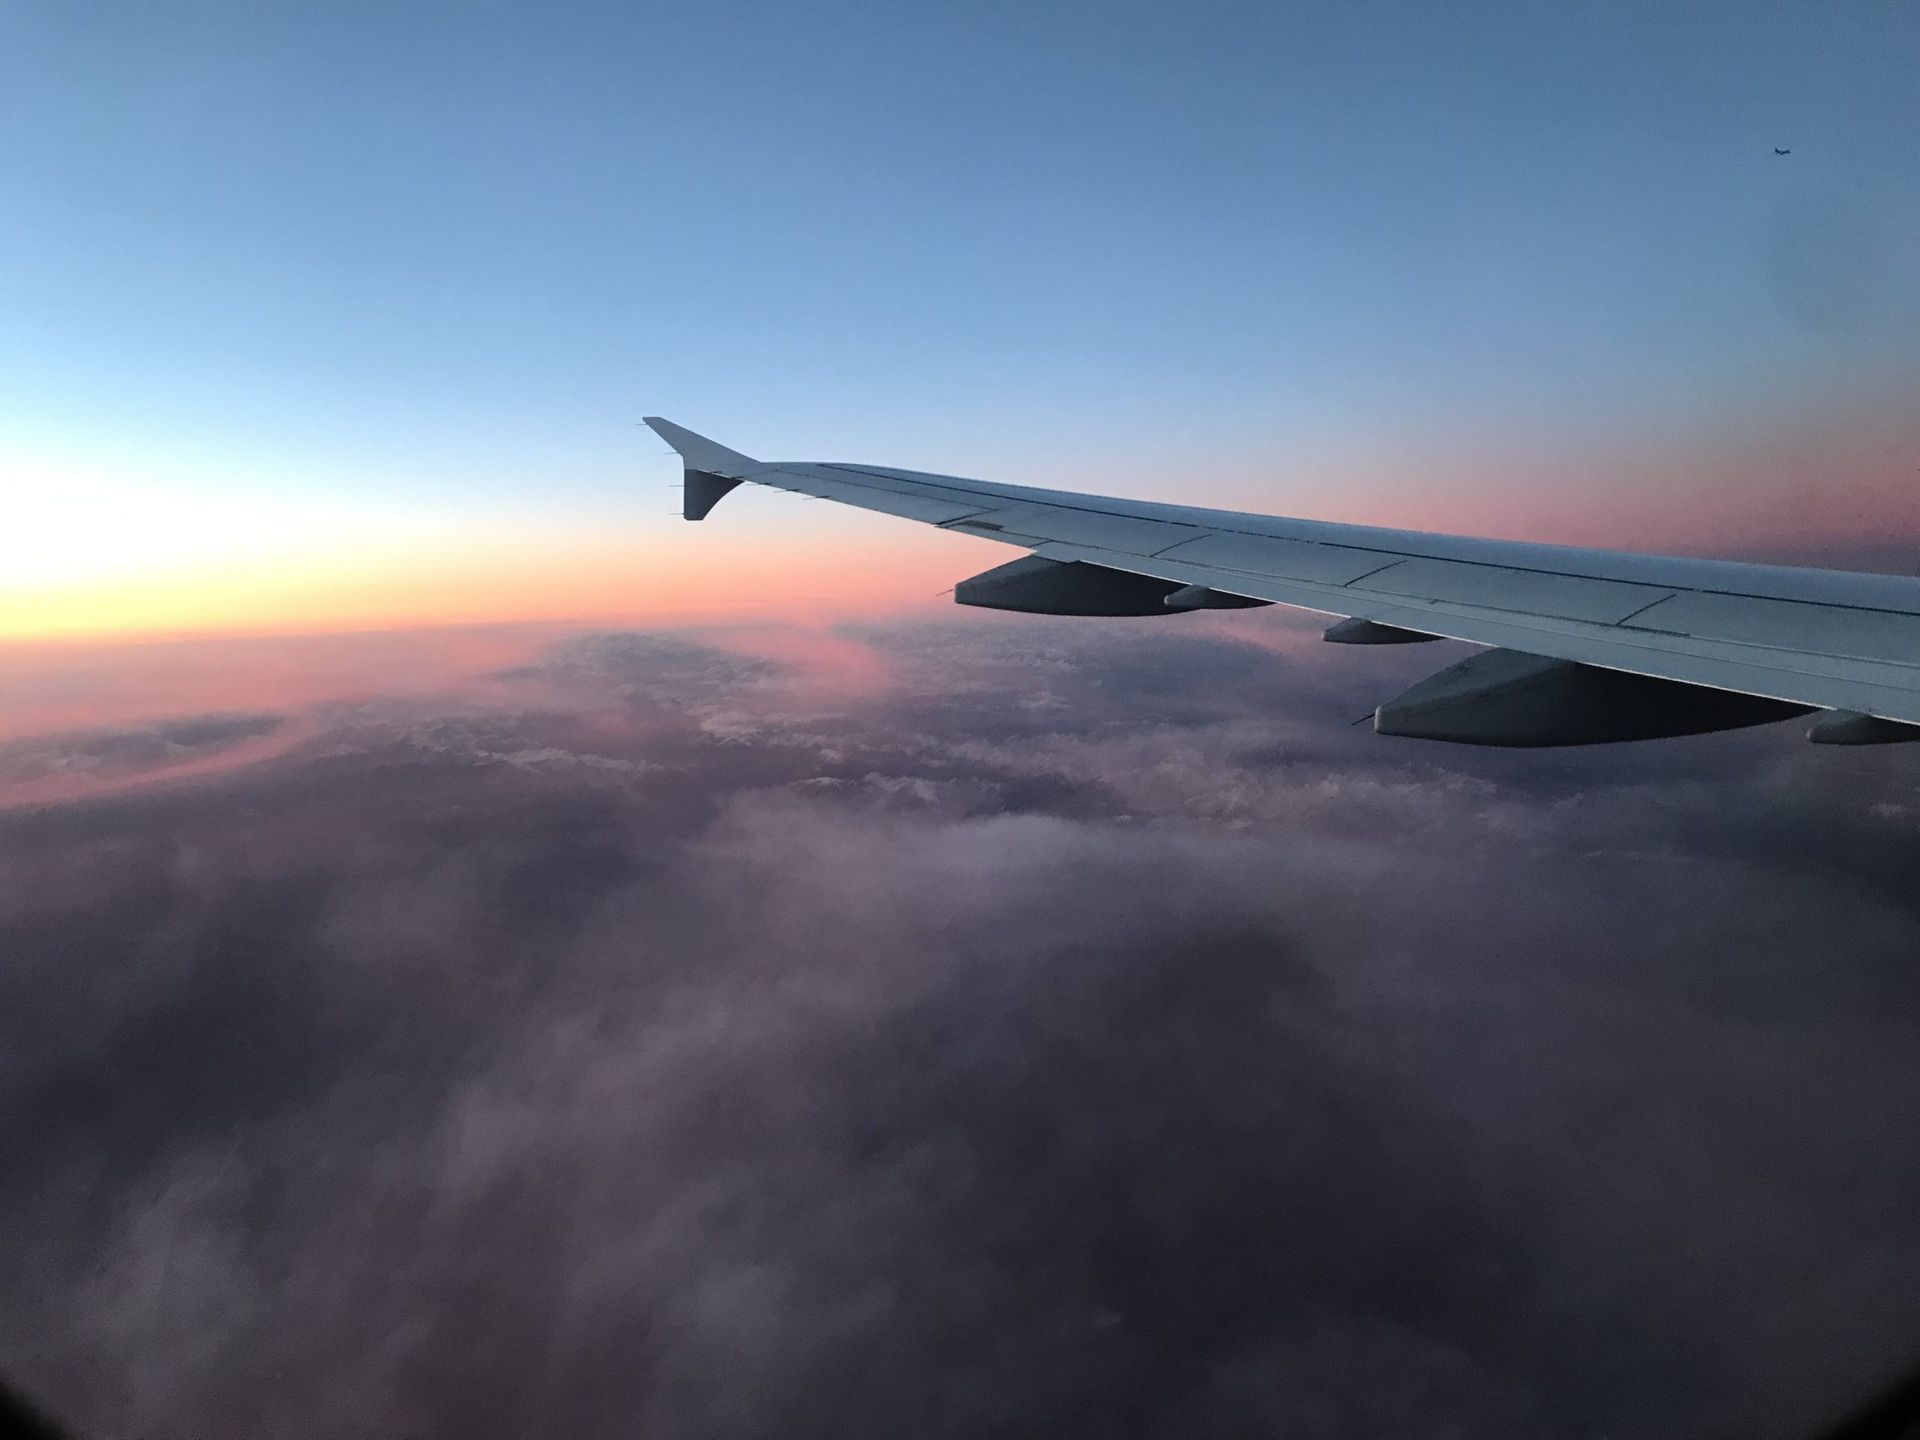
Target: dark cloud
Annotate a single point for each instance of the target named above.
(1062, 1030)
(119, 754)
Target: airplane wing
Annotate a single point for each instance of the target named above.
(1584, 645)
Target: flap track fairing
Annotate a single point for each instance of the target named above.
(1203, 597)
(1357, 631)
(1035, 585)
(1506, 697)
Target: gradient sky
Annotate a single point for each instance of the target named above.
(335, 315)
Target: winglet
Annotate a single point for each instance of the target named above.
(712, 469)
(699, 452)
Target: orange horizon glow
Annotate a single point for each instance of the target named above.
(760, 577)
(582, 583)
(139, 555)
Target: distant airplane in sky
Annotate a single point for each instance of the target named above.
(1585, 646)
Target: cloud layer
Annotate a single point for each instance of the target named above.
(996, 1028)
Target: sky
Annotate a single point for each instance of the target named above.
(480, 956)
(340, 316)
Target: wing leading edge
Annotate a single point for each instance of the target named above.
(1587, 645)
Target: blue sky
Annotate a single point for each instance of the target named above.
(435, 255)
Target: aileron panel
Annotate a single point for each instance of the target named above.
(1827, 630)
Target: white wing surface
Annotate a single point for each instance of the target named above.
(1572, 627)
